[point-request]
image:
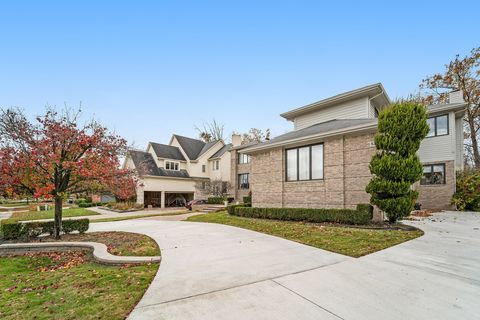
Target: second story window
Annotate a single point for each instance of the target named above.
(204, 168)
(243, 182)
(170, 165)
(243, 158)
(216, 165)
(438, 126)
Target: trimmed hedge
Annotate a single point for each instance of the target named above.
(86, 205)
(216, 200)
(247, 199)
(19, 230)
(231, 208)
(345, 216)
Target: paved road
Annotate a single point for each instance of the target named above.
(213, 271)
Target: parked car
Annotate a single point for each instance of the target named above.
(192, 203)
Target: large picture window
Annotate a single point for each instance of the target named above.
(438, 126)
(433, 174)
(243, 182)
(305, 163)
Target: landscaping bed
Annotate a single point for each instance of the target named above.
(352, 241)
(67, 285)
(118, 243)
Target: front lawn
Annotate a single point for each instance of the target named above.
(38, 215)
(68, 286)
(354, 242)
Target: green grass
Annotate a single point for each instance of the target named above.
(118, 243)
(32, 288)
(354, 242)
(38, 215)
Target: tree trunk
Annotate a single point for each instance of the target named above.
(473, 137)
(58, 217)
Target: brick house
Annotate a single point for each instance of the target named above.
(324, 161)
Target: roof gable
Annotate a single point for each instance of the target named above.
(167, 151)
(194, 148)
(221, 151)
(144, 162)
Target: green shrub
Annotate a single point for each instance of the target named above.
(19, 230)
(345, 216)
(467, 195)
(231, 208)
(12, 231)
(86, 205)
(396, 166)
(80, 200)
(216, 200)
(365, 207)
(80, 225)
(247, 199)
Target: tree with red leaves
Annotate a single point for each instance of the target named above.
(56, 155)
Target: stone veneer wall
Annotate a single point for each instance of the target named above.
(236, 169)
(439, 196)
(346, 174)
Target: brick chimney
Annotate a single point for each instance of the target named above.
(456, 96)
(236, 140)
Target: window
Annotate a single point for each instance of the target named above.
(433, 174)
(170, 165)
(243, 181)
(243, 158)
(216, 165)
(305, 163)
(204, 168)
(438, 126)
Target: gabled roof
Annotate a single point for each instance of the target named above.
(144, 163)
(146, 166)
(372, 91)
(167, 152)
(329, 128)
(221, 152)
(194, 148)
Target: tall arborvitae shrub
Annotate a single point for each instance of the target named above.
(395, 167)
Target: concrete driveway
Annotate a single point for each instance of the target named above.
(214, 271)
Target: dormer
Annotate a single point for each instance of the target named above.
(362, 103)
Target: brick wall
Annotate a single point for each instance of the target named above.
(236, 169)
(438, 196)
(346, 174)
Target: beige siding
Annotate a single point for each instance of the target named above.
(355, 109)
(442, 148)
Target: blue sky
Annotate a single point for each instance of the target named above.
(152, 68)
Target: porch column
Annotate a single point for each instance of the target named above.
(162, 200)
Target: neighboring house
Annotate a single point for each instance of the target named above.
(240, 168)
(170, 175)
(324, 161)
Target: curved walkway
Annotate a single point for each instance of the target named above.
(99, 251)
(212, 271)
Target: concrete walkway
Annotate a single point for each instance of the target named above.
(214, 271)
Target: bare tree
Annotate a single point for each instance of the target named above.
(216, 188)
(211, 131)
(460, 74)
(255, 135)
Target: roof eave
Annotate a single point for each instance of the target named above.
(358, 93)
(312, 137)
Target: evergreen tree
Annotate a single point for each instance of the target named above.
(401, 128)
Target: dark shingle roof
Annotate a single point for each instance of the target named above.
(194, 148)
(144, 163)
(220, 152)
(324, 127)
(166, 151)
(172, 173)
